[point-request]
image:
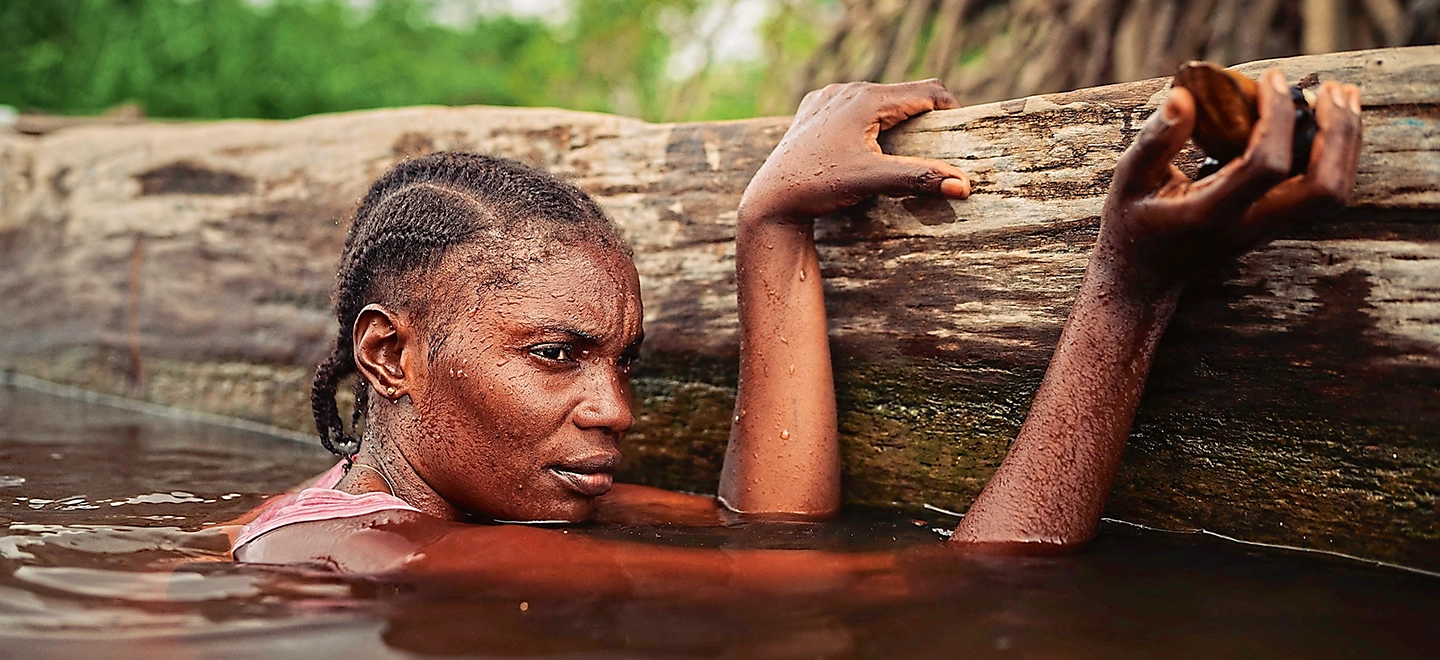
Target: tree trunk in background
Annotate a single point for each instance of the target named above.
(987, 50)
(1321, 31)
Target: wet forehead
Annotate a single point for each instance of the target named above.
(586, 289)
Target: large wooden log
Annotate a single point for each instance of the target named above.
(1294, 399)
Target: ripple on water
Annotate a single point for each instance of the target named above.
(119, 540)
(174, 497)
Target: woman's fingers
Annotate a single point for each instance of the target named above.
(900, 101)
(816, 99)
(1329, 180)
(906, 175)
(1145, 166)
(1266, 161)
(955, 187)
(1352, 97)
(1337, 144)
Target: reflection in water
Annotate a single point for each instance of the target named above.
(109, 551)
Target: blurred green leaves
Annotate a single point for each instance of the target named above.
(288, 58)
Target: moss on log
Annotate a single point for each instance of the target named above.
(1294, 399)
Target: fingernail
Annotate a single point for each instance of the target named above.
(957, 188)
(1354, 98)
(1277, 81)
(1168, 111)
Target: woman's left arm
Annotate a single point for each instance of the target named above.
(1158, 229)
(784, 457)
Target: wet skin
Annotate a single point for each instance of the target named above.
(519, 415)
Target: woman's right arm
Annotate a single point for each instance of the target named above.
(534, 562)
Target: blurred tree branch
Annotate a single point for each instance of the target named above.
(989, 50)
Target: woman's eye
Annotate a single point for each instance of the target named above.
(554, 352)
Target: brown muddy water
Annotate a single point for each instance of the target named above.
(106, 555)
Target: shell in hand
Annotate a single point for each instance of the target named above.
(1224, 108)
(1226, 112)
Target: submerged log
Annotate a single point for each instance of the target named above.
(1294, 399)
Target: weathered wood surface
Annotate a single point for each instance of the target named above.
(1295, 399)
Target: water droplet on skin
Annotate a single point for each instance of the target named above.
(792, 370)
(785, 435)
(802, 274)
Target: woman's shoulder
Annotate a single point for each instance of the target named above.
(313, 505)
(368, 543)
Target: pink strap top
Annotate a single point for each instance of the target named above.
(318, 502)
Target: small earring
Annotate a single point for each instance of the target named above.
(390, 392)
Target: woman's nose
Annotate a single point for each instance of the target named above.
(606, 405)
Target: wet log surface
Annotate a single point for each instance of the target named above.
(1295, 398)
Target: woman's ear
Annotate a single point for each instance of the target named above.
(381, 340)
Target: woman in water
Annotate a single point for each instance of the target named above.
(492, 314)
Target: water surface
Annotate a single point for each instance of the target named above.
(105, 553)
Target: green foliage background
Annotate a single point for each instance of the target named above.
(288, 58)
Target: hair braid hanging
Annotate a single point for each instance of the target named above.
(322, 402)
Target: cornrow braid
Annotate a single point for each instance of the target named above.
(410, 219)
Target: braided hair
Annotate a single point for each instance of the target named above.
(412, 217)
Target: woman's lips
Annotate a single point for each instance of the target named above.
(589, 484)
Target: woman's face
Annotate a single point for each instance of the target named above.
(521, 410)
